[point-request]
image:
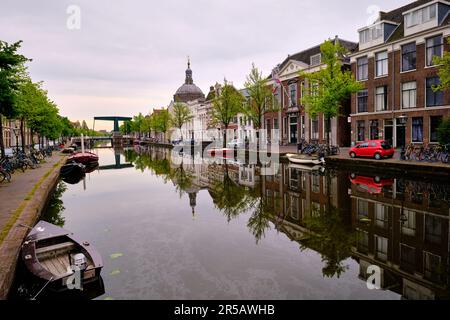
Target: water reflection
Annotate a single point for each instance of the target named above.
(398, 224)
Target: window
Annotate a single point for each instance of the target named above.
(293, 94)
(361, 130)
(314, 88)
(417, 129)
(363, 209)
(434, 98)
(381, 63)
(433, 229)
(365, 36)
(316, 59)
(381, 215)
(407, 258)
(363, 97)
(275, 123)
(381, 98)
(433, 267)
(408, 222)
(409, 57)
(315, 183)
(434, 124)
(409, 95)
(363, 68)
(381, 248)
(420, 16)
(315, 129)
(434, 49)
(374, 130)
(302, 88)
(363, 241)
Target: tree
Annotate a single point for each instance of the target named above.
(444, 132)
(160, 122)
(226, 105)
(261, 99)
(137, 125)
(330, 86)
(180, 115)
(10, 61)
(444, 70)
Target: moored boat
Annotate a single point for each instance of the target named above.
(55, 255)
(83, 157)
(72, 168)
(300, 159)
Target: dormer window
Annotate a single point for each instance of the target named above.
(420, 16)
(316, 60)
(371, 34)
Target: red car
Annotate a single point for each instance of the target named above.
(377, 149)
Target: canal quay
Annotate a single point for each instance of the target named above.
(170, 225)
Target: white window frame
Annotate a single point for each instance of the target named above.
(401, 95)
(384, 60)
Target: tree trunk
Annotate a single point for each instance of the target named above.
(328, 131)
(225, 136)
(2, 143)
(181, 134)
(31, 138)
(22, 133)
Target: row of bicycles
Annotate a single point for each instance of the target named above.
(21, 160)
(316, 148)
(427, 153)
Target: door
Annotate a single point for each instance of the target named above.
(293, 130)
(401, 135)
(388, 135)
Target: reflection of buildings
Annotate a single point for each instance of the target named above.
(399, 225)
(405, 231)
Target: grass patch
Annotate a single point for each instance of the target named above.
(16, 214)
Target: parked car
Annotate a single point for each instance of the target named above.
(377, 149)
(235, 143)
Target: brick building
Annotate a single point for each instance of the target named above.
(395, 63)
(292, 120)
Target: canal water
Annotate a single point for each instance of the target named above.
(169, 227)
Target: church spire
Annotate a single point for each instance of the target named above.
(189, 79)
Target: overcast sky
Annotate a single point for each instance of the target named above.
(129, 56)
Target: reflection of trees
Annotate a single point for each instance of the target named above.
(262, 213)
(55, 206)
(230, 197)
(332, 238)
(181, 178)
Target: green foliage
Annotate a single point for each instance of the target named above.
(444, 70)
(332, 237)
(444, 132)
(180, 115)
(160, 121)
(329, 86)
(10, 63)
(226, 106)
(261, 98)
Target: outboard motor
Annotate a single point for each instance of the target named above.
(79, 260)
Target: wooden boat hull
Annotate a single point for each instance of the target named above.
(46, 253)
(73, 168)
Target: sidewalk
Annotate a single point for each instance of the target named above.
(22, 201)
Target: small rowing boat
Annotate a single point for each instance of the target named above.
(301, 159)
(55, 255)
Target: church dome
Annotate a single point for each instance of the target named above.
(188, 91)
